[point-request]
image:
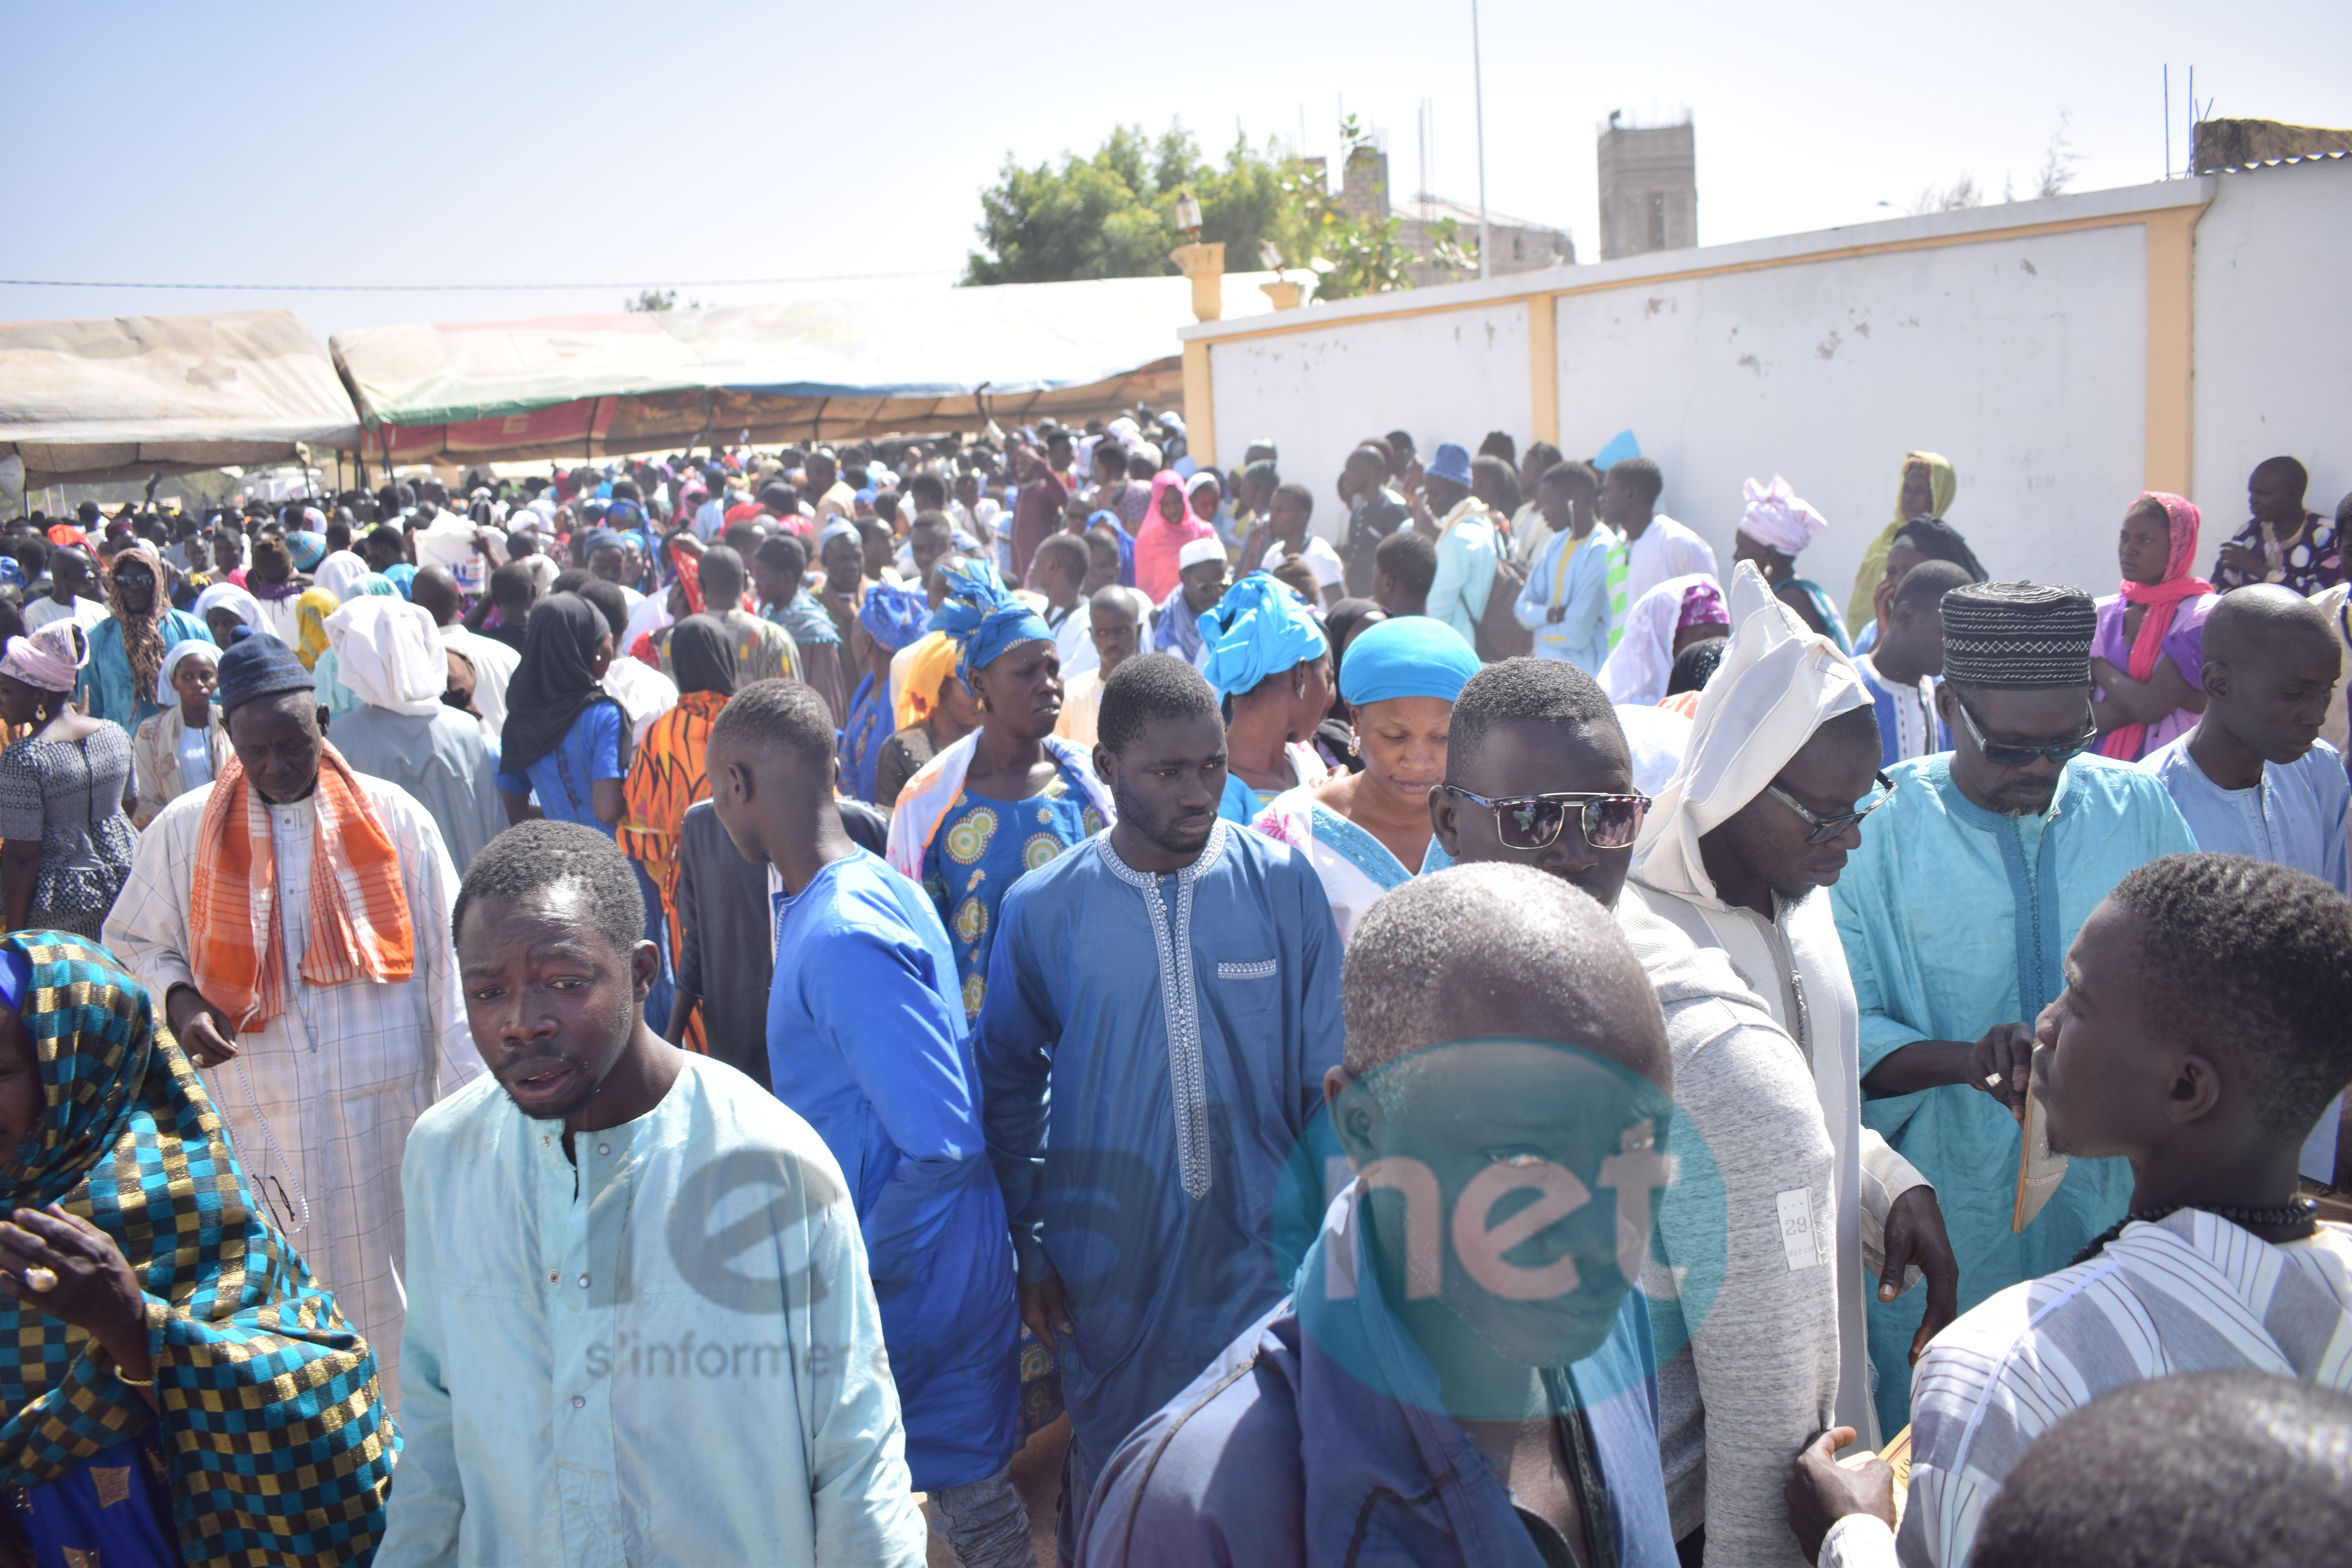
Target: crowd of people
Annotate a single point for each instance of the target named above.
(690, 1011)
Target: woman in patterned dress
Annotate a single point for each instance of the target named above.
(1011, 795)
(69, 846)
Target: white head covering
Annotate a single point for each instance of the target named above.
(236, 601)
(388, 651)
(1774, 517)
(1777, 684)
(1195, 551)
(340, 574)
(1636, 670)
(186, 648)
(1656, 738)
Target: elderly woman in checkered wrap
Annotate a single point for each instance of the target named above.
(175, 1385)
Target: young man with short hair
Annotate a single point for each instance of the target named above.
(1404, 565)
(1565, 602)
(1440, 1402)
(1114, 629)
(1653, 547)
(1142, 1220)
(639, 1313)
(1900, 669)
(1374, 511)
(72, 592)
(2200, 1034)
(1058, 572)
(1286, 521)
(2253, 777)
(2281, 541)
(866, 1039)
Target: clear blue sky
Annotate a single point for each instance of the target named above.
(529, 143)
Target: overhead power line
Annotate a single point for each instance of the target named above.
(464, 288)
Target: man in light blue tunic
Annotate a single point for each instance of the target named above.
(1956, 913)
(865, 1038)
(1163, 1004)
(2253, 777)
(639, 1328)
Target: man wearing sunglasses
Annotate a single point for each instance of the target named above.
(1955, 913)
(1537, 774)
(1780, 775)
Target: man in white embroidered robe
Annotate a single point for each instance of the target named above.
(318, 1098)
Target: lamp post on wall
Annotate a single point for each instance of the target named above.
(1203, 264)
(1478, 101)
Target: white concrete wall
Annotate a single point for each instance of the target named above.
(1448, 376)
(2022, 361)
(2273, 342)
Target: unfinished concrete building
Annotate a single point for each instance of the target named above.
(1649, 188)
(1519, 246)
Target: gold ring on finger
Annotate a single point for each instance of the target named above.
(39, 1279)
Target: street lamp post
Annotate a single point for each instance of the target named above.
(1478, 98)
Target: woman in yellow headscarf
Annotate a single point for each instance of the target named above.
(1927, 486)
(935, 710)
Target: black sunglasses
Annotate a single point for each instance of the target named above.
(1533, 821)
(2003, 755)
(1825, 828)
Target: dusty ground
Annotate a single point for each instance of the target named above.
(1037, 1475)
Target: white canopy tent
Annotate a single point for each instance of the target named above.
(87, 402)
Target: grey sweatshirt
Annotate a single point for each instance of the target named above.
(1744, 1303)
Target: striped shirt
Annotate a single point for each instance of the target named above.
(2190, 1293)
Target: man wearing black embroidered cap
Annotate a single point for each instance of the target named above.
(1953, 914)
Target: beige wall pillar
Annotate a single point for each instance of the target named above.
(1205, 266)
(1200, 409)
(1543, 367)
(2171, 314)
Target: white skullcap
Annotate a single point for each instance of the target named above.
(1196, 551)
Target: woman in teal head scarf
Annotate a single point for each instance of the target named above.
(1367, 834)
(177, 1387)
(1268, 659)
(1011, 795)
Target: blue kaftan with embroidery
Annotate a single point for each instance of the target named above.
(1150, 1052)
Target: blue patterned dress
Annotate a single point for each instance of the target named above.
(982, 847)
(870, 724)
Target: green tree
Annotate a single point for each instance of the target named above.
(1113, 215)
(1354, 255)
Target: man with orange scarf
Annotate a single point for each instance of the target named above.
(294, 916)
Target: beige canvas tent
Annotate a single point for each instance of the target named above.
(85, 402)
(839, 367)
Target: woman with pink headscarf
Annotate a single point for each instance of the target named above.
(2147, 660)
(1169, 524)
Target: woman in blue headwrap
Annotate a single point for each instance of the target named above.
(890, 618)
(1268, 659)
(1011, 795)
(1367, 833)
